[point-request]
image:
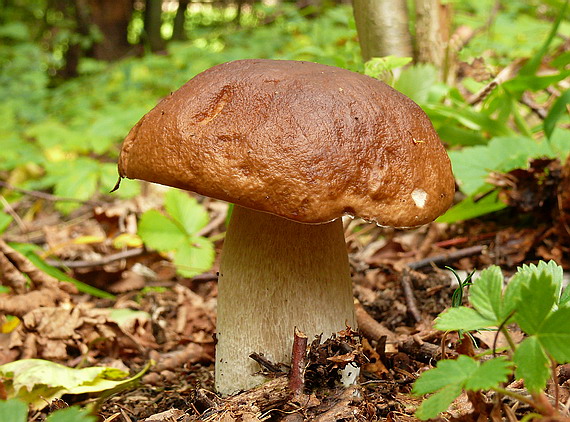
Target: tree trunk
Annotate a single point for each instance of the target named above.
(112, 18)
(178, 31)
(382, 27)
(239, 5)
(153, 24)
(432, 32)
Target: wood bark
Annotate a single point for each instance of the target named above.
(178, 31)
(432, 31)
(112, 17)
(153, 24)
(382, 27)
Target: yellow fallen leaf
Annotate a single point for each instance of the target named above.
(126, 239)
(10, 325)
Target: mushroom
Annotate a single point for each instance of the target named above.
(295, 146)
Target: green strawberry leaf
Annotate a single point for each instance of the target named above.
(195, 257)
(447, 372)
(486, 294)
(489, 374)
(438, 403)
(462, 318)
(537, 298)
(185, 210)
(532, 364)
(159, 232)
(554, 334)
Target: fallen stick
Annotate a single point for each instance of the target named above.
(447, 257)
(130, 253)
(298, 358)
(369, 327)
(408, 290)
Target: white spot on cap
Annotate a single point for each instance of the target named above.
(419, 196)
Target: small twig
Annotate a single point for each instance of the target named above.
(504, 75)
(44, 195)
(215, 222)
(535, 108)
(129, 253)
(203, 278)
(447, 258)
(369, 327)
(298, 358)
(8, 208)
(408, 289)
(266, 363)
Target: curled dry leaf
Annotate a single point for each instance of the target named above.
(55, 332)
(44, 290)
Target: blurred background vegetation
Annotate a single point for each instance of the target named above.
(77, 75)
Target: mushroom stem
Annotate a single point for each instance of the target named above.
(275, 275)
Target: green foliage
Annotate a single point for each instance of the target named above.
(64, 137)
(71, 414)
(472, 165)
(175, 232)
(15, 410)
(534, 300)
(453, 376)
(383, 67)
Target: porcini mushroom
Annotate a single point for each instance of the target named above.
(295, 145)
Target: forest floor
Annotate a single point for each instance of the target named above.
(399, 282)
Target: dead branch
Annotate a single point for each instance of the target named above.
(129, 253)
(448, 257)
(344, 409)
(44, 195)
(298, 358)
(369, 327)
(408, 290)
(266, 363)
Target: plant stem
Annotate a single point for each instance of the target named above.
(512, 344)
(514, 395)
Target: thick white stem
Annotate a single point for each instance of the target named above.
(276, 275)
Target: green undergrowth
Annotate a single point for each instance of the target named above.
(534, 301)
(64, 137)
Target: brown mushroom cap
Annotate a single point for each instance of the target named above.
(304, 141)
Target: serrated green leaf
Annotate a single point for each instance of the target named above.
(159, 232)
(438, 403)
(554, 335)
(485, 295)
(71, 414)
(532, 364)
(195, 257)
(471, 165)
(416, 81)
(185, 210)
(537, 298)
(565, 297)
(462, 318)
(13, 411)
(489, 374)
(447, 372)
